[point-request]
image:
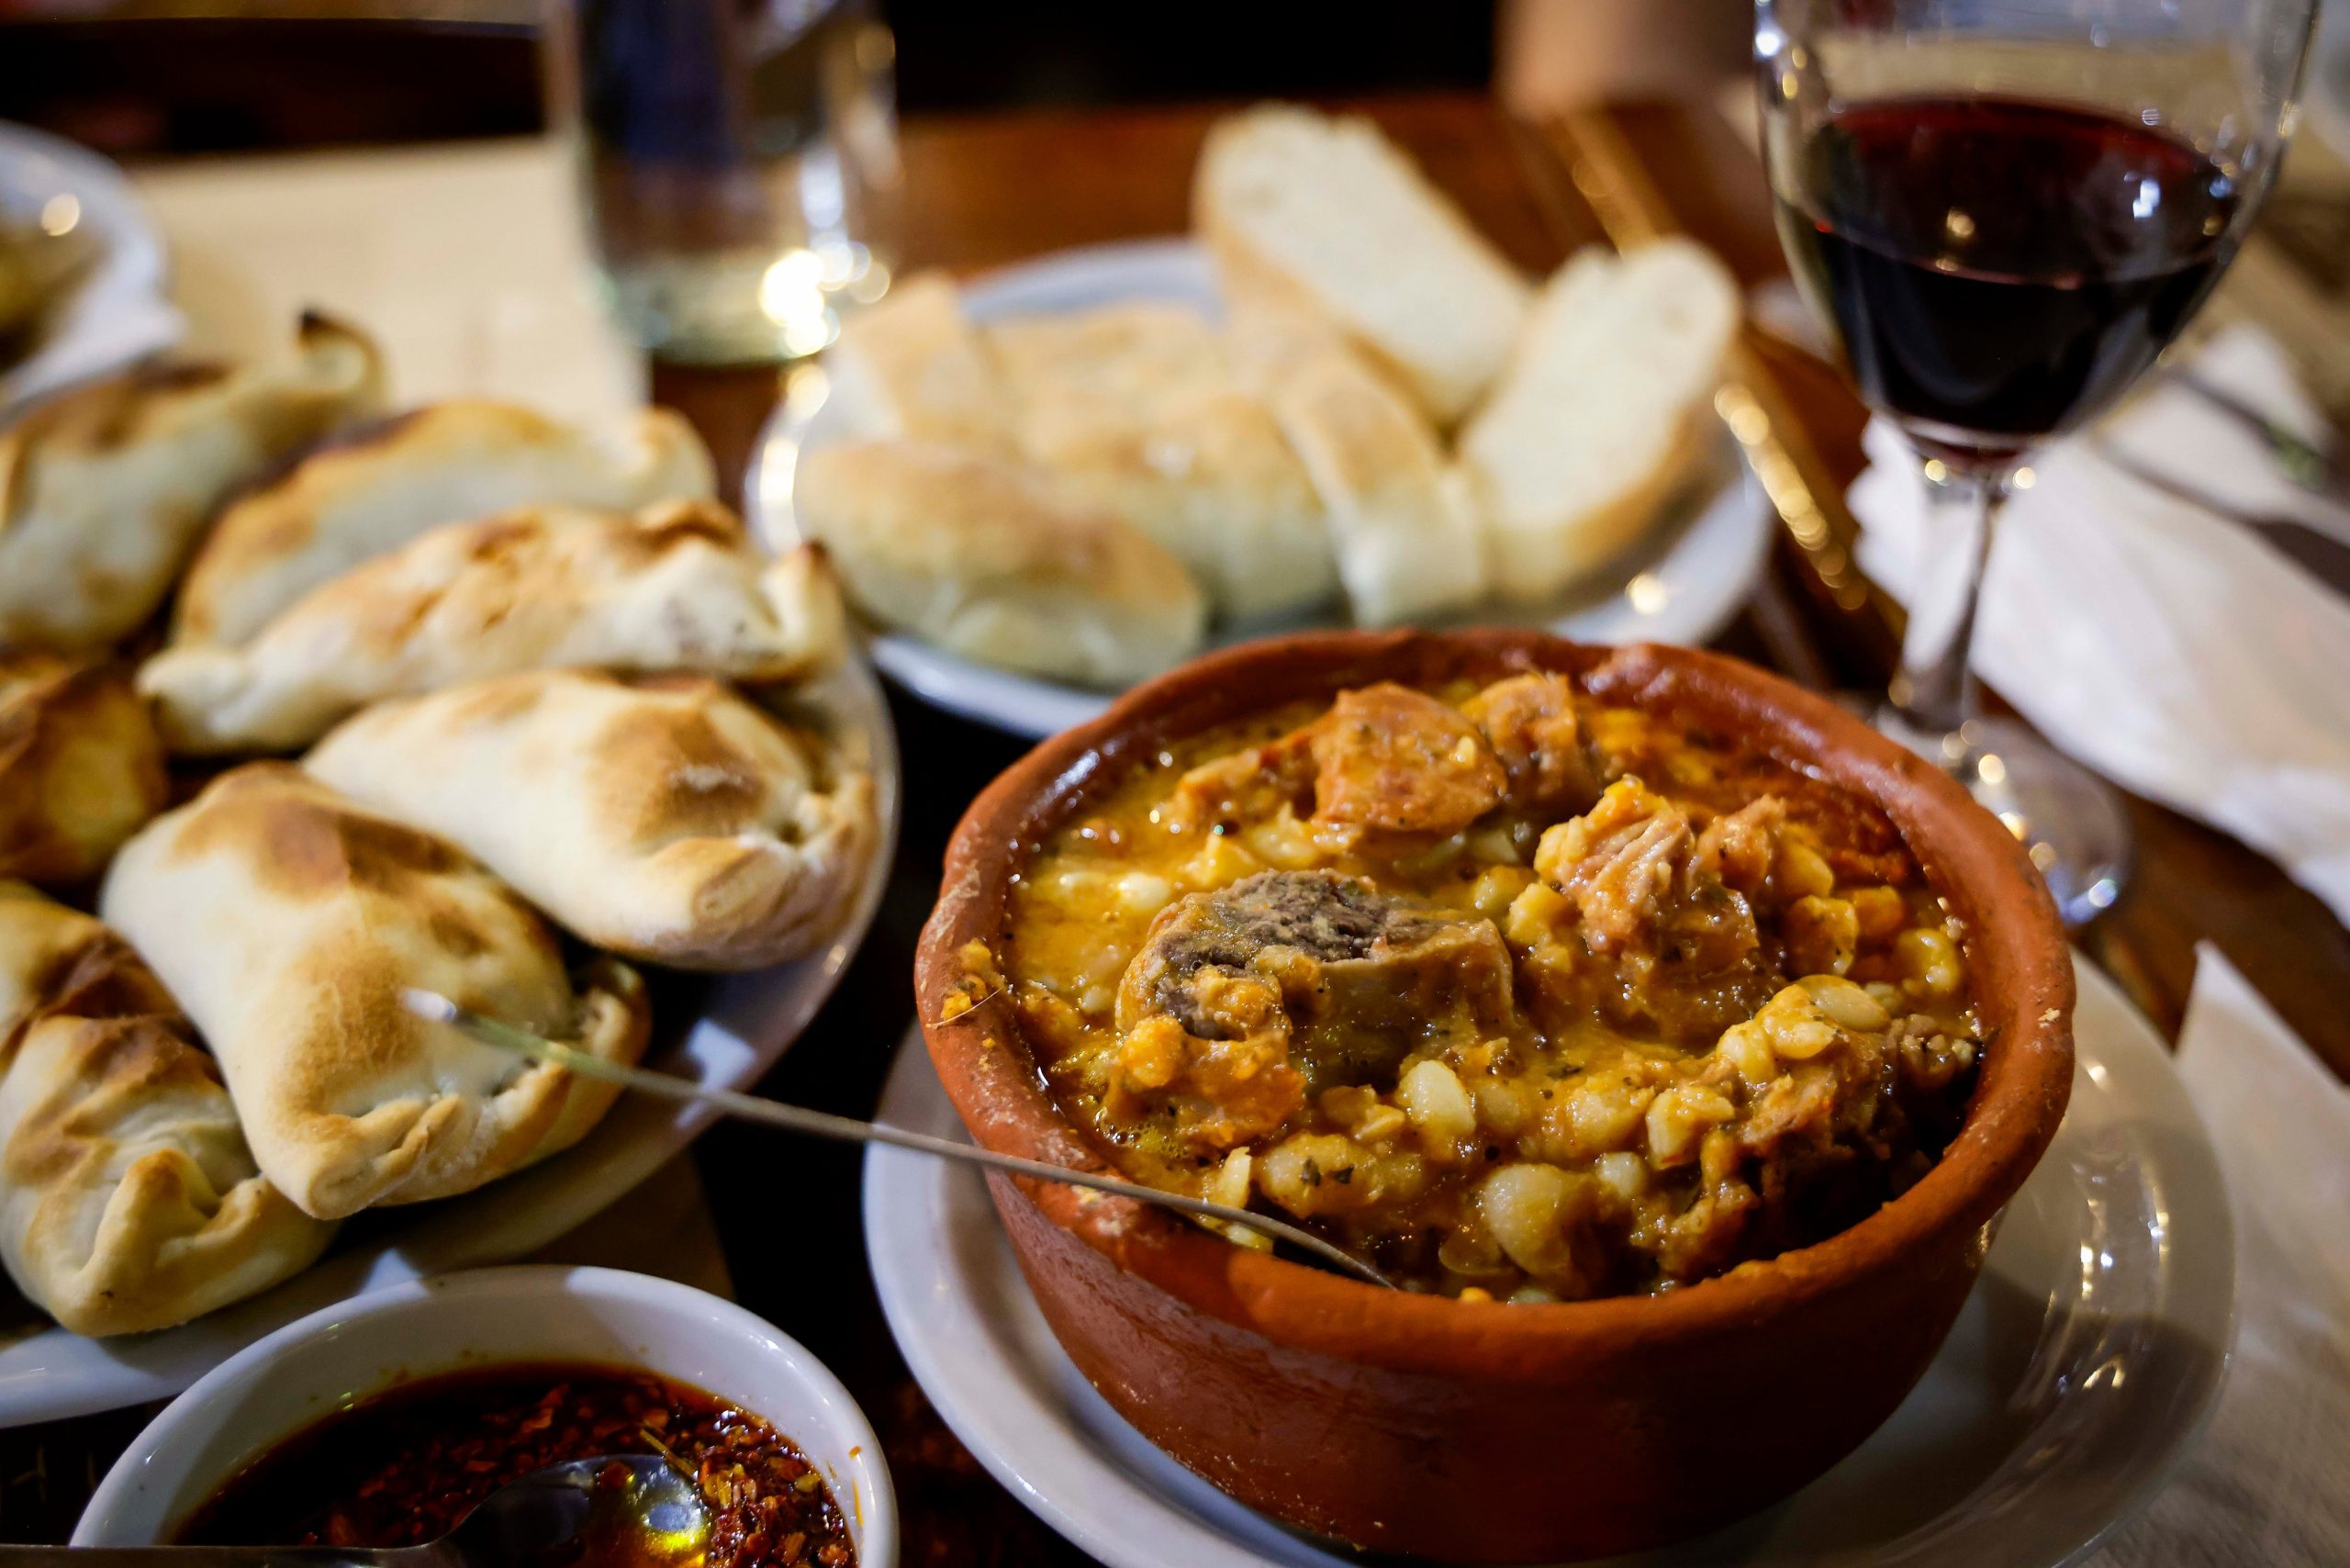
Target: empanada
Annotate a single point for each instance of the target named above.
(81, 767)
(129, 1200)
(668, 820)
(104, 491)
(378, 489)
(675, 588)
(288, 921)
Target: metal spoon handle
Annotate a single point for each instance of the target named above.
(848, 1129)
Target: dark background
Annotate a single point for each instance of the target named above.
(122, 83)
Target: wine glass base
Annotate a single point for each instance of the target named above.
(2073, 822)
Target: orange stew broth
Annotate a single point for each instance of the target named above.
(1626, 1003)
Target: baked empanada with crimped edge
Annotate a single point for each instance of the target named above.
(81, 767)
(288, 922)
(129, 1199)
(105, 490)
(675, 588)
(378, 488)
(665, 819)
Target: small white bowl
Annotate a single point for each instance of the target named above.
(310, 1368)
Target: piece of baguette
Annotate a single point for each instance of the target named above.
(1408, 546)
(992, 560)
(1600, 415)
(1312, 216)
(910, 366)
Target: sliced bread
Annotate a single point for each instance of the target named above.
(1310, 215)
(1408, 546)
(1595, 422)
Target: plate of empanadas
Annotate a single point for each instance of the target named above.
(1335, 404)
(305, 702)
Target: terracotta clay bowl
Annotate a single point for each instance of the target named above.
(1487, 1431)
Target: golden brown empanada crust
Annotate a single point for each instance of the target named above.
(288, 920)
(129, 1199)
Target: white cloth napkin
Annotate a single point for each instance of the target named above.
(2270, 1483)
(2173, 651)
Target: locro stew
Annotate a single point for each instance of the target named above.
(1519, 993)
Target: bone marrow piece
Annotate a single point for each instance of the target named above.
(1318, 978)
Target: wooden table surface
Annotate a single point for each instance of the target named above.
(985, 191)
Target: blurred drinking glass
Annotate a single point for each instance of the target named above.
(738, 160)
(2006, 209)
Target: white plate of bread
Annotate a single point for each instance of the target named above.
(302, 705)
(1335, 404)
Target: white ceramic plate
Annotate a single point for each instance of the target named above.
(1683, 587)
(747, 1022)
(116, 313)
(2078, 1373)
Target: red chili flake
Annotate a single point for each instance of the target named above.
(404, 1467)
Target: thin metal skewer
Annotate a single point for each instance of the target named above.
(434, 1008)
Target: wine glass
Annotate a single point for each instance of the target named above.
(2006, 209)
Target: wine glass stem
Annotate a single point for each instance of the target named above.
(1933, 695)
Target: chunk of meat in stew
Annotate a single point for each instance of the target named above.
(1530, 720)
(1391, 758)
(1620, 864)
(1348, 979)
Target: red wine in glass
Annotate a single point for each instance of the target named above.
(2001, 270)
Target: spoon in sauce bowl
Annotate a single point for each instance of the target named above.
(434, 1008)
(617, 1511)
